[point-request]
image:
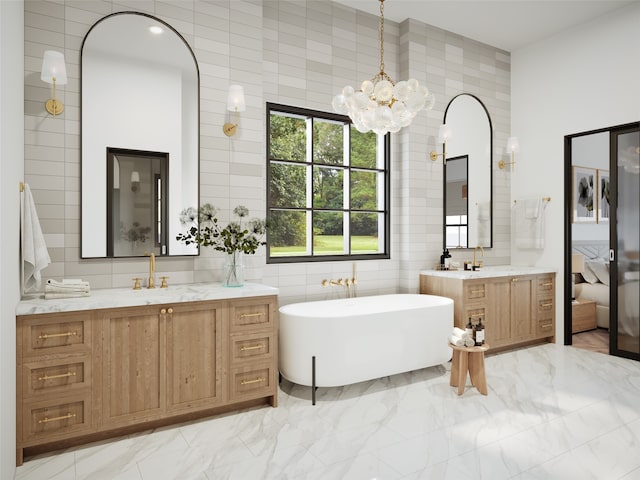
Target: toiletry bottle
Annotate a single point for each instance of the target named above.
(442, 258)
(479, 333)
(447, 259)
(469, 329)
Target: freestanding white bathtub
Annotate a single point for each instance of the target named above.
(358, 339)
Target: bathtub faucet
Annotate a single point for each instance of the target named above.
(347, 283)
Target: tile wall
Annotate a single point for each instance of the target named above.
(290, 52)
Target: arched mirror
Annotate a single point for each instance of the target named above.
(140, 137)
(468, 189)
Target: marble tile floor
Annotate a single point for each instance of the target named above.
(552, 412)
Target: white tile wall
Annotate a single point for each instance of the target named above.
(291, 52)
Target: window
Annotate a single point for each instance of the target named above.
(327, 188)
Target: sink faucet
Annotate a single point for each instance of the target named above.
(474, 265)
(152, 269)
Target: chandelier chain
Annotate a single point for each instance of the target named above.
(382, 36)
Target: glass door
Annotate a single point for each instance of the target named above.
(618, 200)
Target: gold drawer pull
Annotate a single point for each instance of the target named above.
(546, 325)
(248, 315)
(477, 315)
(514, 279)
(477, 291)
(57, 419)
(252, 347)
(62, 375)
(44, 336)
(249, 382)
(169, 310)
(163, 311)
(546, 284)
(546, 305)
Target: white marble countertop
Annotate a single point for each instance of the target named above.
(127, 297)
(489, 272)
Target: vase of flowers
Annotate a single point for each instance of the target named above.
(237, 238)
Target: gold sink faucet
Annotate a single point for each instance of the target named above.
(474, 265)
(152, 269)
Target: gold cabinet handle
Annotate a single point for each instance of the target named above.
(478, 291)
(252, 347)
(249, 315)
(249, 382)
(57, 419)
(169, 310)
(546, 284)
(51, 377)
(546, 325)
(164, 311)
(546, 305)
(44, 336)
(477, 315)
(514, 279)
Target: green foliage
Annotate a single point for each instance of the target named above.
(134, 234)
(232, 238)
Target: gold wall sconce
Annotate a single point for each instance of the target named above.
(235, 104)
(444, 135)
(54, 71)
(513, 146)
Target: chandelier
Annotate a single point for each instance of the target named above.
(382, 105)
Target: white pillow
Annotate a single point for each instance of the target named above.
(596, 270)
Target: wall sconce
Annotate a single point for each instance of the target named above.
(235, 104)
(444, 134)
(135, 181)
(54, 71)
(512, 147)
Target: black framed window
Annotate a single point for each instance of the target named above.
(327, 188)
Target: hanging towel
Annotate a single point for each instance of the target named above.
(35, 256)
(528, 222)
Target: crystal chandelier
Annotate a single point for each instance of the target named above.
(382, 105)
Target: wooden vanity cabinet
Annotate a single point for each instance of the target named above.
(516, 309)
(95, 374)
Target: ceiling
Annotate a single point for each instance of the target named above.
(506, 24)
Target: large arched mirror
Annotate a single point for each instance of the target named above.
(140, 137)
(468, 189)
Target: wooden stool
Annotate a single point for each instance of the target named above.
(469, 359)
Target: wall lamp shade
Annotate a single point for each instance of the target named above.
(444, 135)
(235, 104)
(54, 71)
(577, 266)
(513, 146)
(135, 181)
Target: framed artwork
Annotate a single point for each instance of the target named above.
(603, 196)
(584, 191)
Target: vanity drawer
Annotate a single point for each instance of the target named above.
(545, 306)
(251, 316)
(64, 375)
(53, 419)
(545, 327)
(474, 291)
(474, 313)
(252, 348)
(545, 285)
(64, 333)
(251, 382)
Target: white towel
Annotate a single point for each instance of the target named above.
(35, 256)
(528, 223)
(56, 295)
(76, 286)
(457, 341)
(458, 332)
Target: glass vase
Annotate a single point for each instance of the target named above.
(233, 275)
